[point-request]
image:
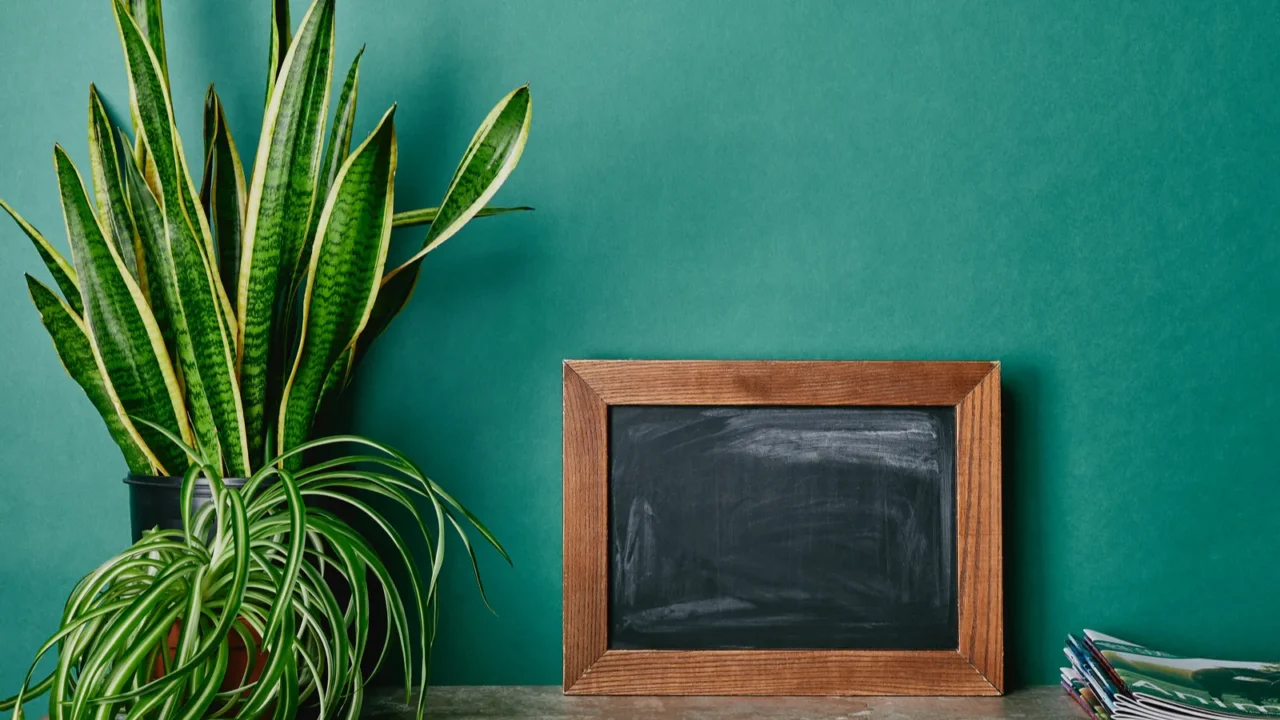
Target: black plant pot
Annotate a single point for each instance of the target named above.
(157, 501)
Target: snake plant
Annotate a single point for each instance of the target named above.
(261, 567)
(231, 313)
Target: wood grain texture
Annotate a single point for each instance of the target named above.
(979, 546)
(766, 382)
(782, 672)
(586, 539)
(976, 668)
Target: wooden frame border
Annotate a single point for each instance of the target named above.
(976, 667)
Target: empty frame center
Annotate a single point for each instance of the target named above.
(782, 527)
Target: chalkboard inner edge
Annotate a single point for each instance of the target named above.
(947, 495)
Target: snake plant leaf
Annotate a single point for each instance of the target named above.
(281, 196)
(188, 286)
(148, 16)
(344, 119)
(393, 295)
(426, 216)
(170, 319)
(494, 152)
(335, 381)
(347, 259)
(339, 137)
(72, 344)
(335, 154)
(222, 190)
(154, 290)
(492, 155)
(108, 190)
(64, 274)
(165, 164)
(205, 306)
(158, 133)
(279, 44)
(130, 349)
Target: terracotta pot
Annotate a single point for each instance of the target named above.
(241, 669)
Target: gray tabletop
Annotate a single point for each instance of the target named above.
(546, 703)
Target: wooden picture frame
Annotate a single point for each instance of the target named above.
(975, 667)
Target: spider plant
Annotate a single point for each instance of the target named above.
(229, 314)
(256, 567)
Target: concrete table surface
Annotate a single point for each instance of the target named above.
(547, 703)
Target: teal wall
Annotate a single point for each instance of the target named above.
(1086, 191)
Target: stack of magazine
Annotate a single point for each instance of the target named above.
(1117, 680)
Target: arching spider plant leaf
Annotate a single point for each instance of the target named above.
(256, 563)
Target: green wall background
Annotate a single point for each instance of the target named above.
(1086, 191)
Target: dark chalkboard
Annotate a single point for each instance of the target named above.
(782, 527)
